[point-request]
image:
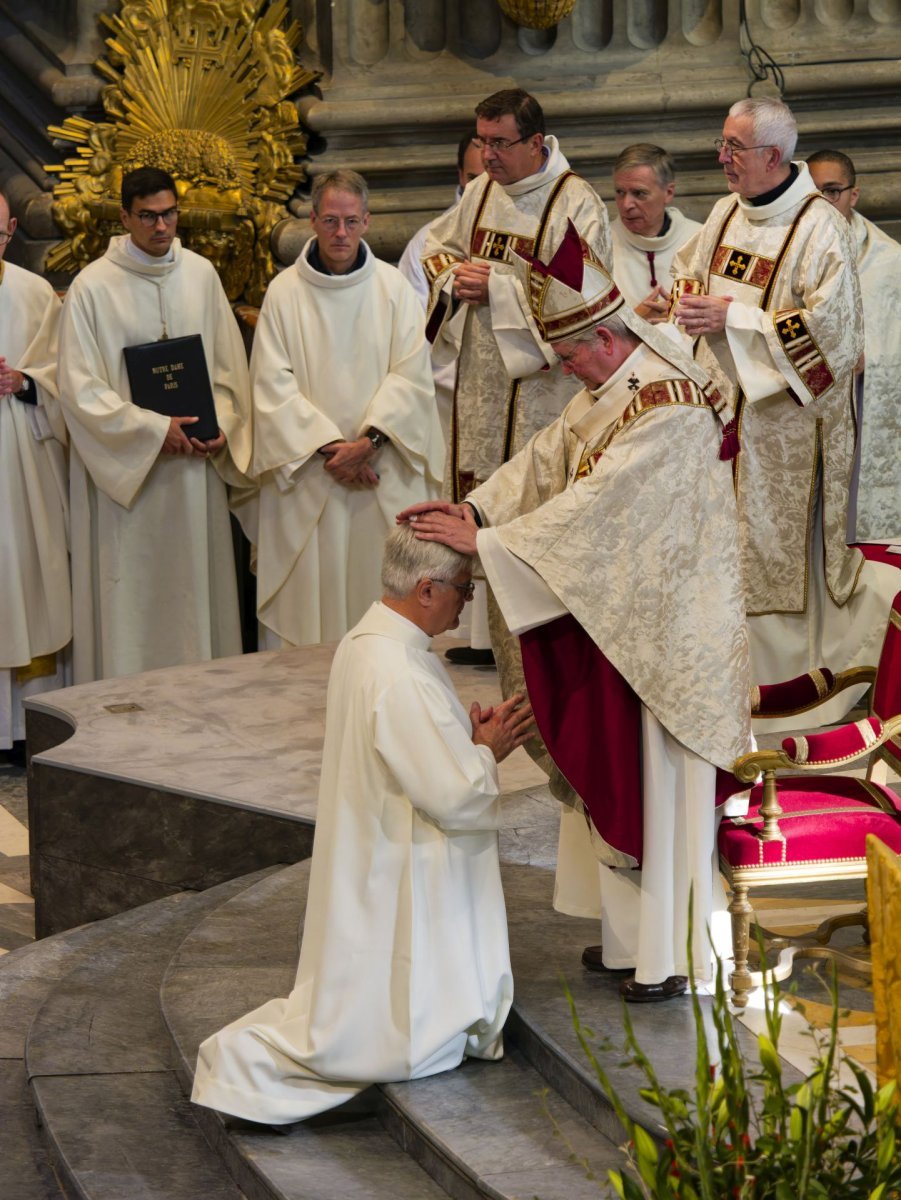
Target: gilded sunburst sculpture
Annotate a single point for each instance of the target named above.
(198, 88)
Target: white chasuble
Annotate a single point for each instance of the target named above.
(629, 523)
(509, 382)
(333, 356)
(640, 263)
(877, 504)
(35, 599)
(785, 363)
(404, 966)
(153, 564)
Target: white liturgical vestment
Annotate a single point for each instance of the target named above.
(404, 965)
(334, 355)
(153, 574)
(640, 263)
(509, 382)
(877, 505)
(35, 601)
(622, 514)
(785, 363)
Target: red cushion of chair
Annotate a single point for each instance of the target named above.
(771, 699)
(875, 551)
(835, 746)
(887, 688)
(825, 819)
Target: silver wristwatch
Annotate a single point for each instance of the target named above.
(25, 388)
(377, 438)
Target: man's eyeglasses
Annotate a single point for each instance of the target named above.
(833, 193)
(466, 590)
(501, 144)
(332, 224)
(732, 149)
(4, 237)
(150, 219)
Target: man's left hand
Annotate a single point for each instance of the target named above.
(471, 282)
(702, 314)
(457, 532)
(344, 459)
(205, 449)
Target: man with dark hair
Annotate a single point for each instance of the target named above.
(874, 512)
(649, 230)
(153, 565)
(509, 384)
(35, 602)
(345, 422)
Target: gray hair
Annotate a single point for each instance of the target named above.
(340, 181)
(646, 154)
(614, 324)
(407, 560)
(772, 122)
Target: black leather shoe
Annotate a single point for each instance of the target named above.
(650, 993)
(593, 960)
(466, 656)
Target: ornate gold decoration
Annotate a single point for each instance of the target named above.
(537, 14)
(198, 88)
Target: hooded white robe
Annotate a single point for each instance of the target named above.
(35, 597)
(404, 965)
(634, 270)
(332, 356)
(153, 574)
(876, 509)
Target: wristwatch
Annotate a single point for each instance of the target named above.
(377, 438)
(24, 389)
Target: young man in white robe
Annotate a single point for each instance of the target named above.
(610, 542)
(875, 511)
(649, 229)
(153, 571)
(346, 429)
(769, 289)
(35, 599)
(508, 382)
(404, 965)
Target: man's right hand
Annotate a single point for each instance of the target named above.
(503, 727)
(176, 442)
(655, 306)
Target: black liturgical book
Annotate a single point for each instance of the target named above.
(171, 377)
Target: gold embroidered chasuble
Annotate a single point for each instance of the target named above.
(878, 501)
(625, 510)
(785, 364)
(509, 383)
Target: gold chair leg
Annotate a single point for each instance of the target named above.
(740, 911)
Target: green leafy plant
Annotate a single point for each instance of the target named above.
(742, 1134)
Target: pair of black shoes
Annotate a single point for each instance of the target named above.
(630, 989)
(467, 656)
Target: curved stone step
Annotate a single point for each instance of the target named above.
(485, 1129)
(100, 1062)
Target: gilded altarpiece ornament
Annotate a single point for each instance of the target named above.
(201, 89)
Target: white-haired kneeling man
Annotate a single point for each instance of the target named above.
(404, 967)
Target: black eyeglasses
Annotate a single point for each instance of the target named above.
(5, 236)
(833, 193)
(149, 219)
(481, 143)
(466, 590)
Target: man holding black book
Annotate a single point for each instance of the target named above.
(152, 558)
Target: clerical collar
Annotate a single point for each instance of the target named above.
(776, 192)
(149, 260)
(664, 228)
(314, 259)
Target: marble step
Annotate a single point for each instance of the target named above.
(486, 1129)
(100, 1063)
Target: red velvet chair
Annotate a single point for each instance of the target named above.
(808, 827)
